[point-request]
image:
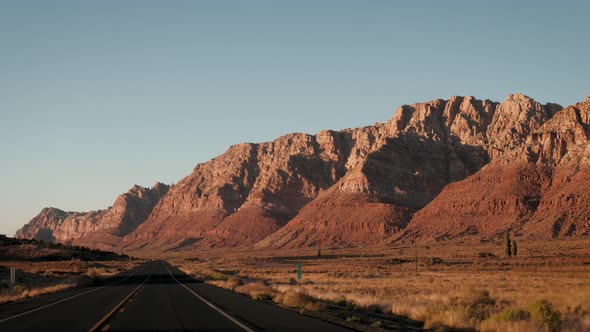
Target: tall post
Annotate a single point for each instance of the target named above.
(415, 248)
(12, 276)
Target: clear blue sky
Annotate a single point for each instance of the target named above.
(96, 96)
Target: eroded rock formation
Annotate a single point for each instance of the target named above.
(453, 168)
(101, 229)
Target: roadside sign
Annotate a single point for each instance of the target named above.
(298, 271)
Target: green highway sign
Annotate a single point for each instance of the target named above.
(299, 271)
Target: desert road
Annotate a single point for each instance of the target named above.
(153, 296)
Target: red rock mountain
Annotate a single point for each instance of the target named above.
(252, 190)
(101, 229)
(453, 168)
(537, 184)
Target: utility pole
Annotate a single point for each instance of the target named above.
(415, 248)
(12, 276)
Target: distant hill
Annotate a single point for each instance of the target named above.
(455, 168)
(12, 249)
(101, 229)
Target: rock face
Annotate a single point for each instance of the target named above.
(252, 190)
(536, 185)
(423, 148)
(461, 167)
(101, 229)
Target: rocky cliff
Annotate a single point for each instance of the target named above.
(536, 185)
(424, 147)
(101, 229)
(456, 168)
(453, 168)
(252, 190)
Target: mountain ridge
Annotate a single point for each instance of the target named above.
(101, 229)
(366, 185)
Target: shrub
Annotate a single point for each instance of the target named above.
(514, 248)
(294, 299)
(433, 260)
(234, 282)
(231, 283)
(341, 302)
(507, 244)
(19, 289)
(375, 309)
(543, 311)
(479, 306)
(256, 290)
(262, 297)
(376, 323)
(486, 254)
(512, 315)
(344, 302)
(216, 276)
(95, 273)
(317, 306)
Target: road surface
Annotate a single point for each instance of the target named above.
(153, 297)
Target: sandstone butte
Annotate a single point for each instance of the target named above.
(457, 168)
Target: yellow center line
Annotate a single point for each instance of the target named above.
(103, 320)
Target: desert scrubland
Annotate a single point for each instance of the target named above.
(43, 267)
(457, 285)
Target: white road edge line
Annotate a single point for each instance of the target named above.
(235, 321)
(63, 300)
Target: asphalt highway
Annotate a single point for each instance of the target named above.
(153, 297)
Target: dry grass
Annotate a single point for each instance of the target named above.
(546, 288)
(294, 298)
(257, 290)
(20, 292)
(38, 278)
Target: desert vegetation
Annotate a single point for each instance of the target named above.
(38, 278)
(546, 287)
(45, 267)
(35, 250)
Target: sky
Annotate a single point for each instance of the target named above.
(96, 96)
